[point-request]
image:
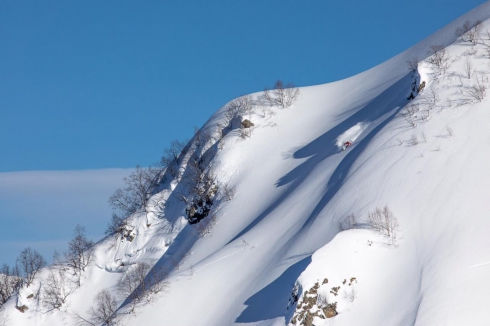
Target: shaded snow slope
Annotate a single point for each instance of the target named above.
(293, 185)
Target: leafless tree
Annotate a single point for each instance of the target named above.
(478, 90)
(384, 222)
(55, 289)
(139, 187)
(468, 68)
(281, 95)
(474, 33)
(431, 98)
(170, 158)
(412, 109)
(205, 227)
(80, 253)
(105, 309)
(450, 131)
(103, 312)
(414, 140)
(410, 121)
(487, 51)
(438, 58)
(469, 32)
(227, 192)
(413, 64)
(243, 105)
(30, 262)
(9, 282)
(350, 294)
(245, 132)
(348, 222)
(141, 283)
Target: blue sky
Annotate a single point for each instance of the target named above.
(108, 84)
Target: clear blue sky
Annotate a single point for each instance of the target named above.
(108, 84)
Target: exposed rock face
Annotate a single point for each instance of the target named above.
(247, 123)
(312, 306)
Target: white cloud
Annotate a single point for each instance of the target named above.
(41, 208)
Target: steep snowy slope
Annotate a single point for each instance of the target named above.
(424, 158)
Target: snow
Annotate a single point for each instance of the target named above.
(350, 134)
(293, 186)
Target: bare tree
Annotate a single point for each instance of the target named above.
(469, 32)
(9, 282)
(80, 253)
(468, 68)
(140, 282)
(413, 64)
(478, 90)
(30, 262)
(55, 290)
(431, 98)
(139, 187)
(384, 222)
(103, 312)
(474, 33)
(412, 109)
(243, 105)
(281, 95)
(105, 308)
(202, 186)
(234, 112)
(348, 222)
(170, 158)
(228, 192)
(410, 121)
(438, 58)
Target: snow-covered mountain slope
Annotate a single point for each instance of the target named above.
(291, 184)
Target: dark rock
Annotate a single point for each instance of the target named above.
(247, 123)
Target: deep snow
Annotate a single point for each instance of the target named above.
(293, 185)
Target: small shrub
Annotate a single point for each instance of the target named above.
(348, 222)
(478, 90)
(384, 222)
(438, 58)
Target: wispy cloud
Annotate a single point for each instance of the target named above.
(41, 208)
